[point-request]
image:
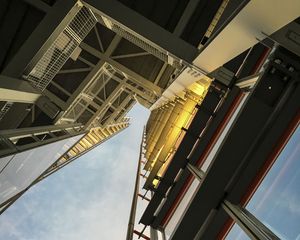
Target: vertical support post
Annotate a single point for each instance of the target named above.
(153, 232)
(199, 174)
(163, 234)
(249, 223)
(130, 229)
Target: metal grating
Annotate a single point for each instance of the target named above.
(62, 48)
(140, 42)
(5, 109)
(215, 21)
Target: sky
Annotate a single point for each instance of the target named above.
(89, 199)
(276, 202)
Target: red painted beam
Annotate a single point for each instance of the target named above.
(263, 172)
(143, 197)
(141, 234)
(202, 159)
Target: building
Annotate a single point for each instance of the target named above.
(223, 164)
(221, 78)
(67, 81)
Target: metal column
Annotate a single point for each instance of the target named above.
(15, 90)
(131, 221)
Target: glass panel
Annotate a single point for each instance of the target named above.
(182, 207)
(236, 233)
(276, 202)
(4, 161)
(224, 133)
(26, 166)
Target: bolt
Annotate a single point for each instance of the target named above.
(285, 78)
(278, 61)
(273, 70)
(291, 69)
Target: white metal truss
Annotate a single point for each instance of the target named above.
(84, 99)
(141, 42)
(61, 48)
(90, 96)
(92, 139)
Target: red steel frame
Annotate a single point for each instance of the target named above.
(263, 172)
(202, 158)
(218, 132)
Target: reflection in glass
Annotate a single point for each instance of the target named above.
(23, 168)
(276, 202)
(236, 233)
(182, 207)
(4, 161)
(224, 133)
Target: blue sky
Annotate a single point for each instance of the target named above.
(276, 202)
(89, 199)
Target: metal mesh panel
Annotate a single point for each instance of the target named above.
(61, 49)
(5, 109)
(138, 41)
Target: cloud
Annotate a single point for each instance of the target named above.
(89, 199)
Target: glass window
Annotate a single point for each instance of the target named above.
(224, 133)
(236, 233)
(276, 202)
(4, 161)
(23, 168)
(182, 207)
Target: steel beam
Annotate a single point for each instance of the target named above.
(15, 90)
(9, 137)
(131, 55)
(185, 17)
(144, 28)
(100, 111)
(86, 61)
(119, 108)
(99, 39)
(10, 133)
(74, 70)
(48, 29)
(55, 167)
(91, 76)
(138, 79)
(52, 169)
(142, 101)
(197, 173)
(153, 234)
(161, 72)
(251, 25)
(131, 222)
(248, 222)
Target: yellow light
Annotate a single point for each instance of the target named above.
(197, 89)
(155, 182)
(155, 159)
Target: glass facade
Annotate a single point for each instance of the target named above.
(182, 207)
(223, 134)
(20, 170)
(236, 233)
(276, 202)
